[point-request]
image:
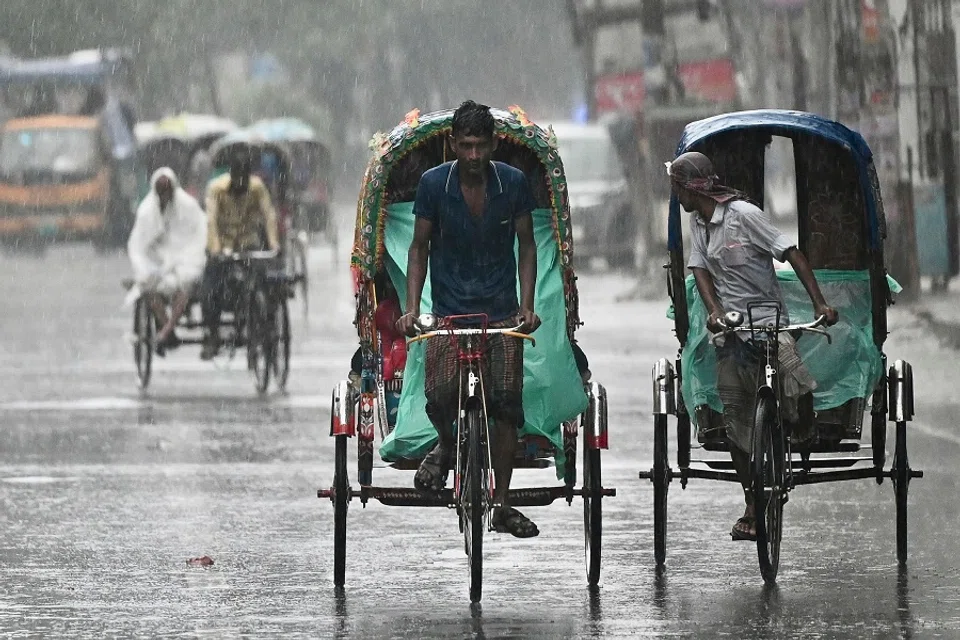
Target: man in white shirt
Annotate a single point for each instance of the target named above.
(167, 249)
(733, 246)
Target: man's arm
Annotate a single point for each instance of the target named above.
(213, 232)
(416, 274)
(527, 270)
(802, 268)
(269, 220)
(708, 293)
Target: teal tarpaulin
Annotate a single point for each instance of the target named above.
(848, 368)
(552, 388)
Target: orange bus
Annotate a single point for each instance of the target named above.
(55, 177)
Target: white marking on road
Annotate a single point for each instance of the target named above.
(934, 432)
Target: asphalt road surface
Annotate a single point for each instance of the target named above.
(106, 492)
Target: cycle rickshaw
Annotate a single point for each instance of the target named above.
(273, 163)
(841, 229)
(258, 324)
(385, 392)
(311, 169)
(182, 142)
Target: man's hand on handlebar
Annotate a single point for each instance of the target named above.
(715, 322)
(830, 315)
(407, 324)
(529, 321)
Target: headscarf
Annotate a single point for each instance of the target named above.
(694, 171)
(173, 237)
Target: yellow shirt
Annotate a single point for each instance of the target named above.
(235, 220)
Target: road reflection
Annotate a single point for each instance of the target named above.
(903, 603)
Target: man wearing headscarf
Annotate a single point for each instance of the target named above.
(733, 246)
(167, 251)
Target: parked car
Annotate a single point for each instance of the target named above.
(605, 223)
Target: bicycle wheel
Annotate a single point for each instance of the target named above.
(281, 343)
(259, 342)
(341, 495)
(901, 484)
(592, 513)
(768, 486)
(473, 501)
(142, 348)
(298, 269)
(661, 484)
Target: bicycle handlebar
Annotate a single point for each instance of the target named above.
(237, 256)
(512, 332)
(810, 327)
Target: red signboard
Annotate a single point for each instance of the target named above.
(619, 92)
(709, 80)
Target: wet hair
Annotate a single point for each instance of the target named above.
(472, 119)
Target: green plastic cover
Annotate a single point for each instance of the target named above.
(848, 368)
(552, 388)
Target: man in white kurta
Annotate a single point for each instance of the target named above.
(167, 250)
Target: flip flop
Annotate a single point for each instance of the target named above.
(747, 522)
(431, 477)
(509, 520)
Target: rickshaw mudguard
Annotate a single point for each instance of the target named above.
(848, 368)
(552, 386)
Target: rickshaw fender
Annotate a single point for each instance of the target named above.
(664, 388)
(595, 423)
(766, 392)
(342, 419)
(900, 390)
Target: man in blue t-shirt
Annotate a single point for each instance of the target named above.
(469, 214)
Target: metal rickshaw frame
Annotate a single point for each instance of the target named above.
(746, 133)
(357, 404)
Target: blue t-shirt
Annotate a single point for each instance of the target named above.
(473, 268)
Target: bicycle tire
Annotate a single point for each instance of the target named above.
(767, 470)
(901, 485)
(281, 344)
(259, 343)
(341, 495)
(143, 329)
(661, 484)
(592, 514)
(473, 509)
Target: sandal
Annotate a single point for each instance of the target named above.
(431, 477)
(509, 520)
(741, 530)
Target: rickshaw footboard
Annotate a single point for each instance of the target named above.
(407, 497)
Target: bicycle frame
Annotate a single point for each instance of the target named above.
(472, 392)
(770, 384)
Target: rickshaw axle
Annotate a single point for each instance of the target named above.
(404, 497)
(800, 477)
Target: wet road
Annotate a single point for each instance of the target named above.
(105, 493)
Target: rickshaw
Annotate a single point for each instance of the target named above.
(259, 326)
(385, 391)
(273, 163)
(310, 188)
(182, 142)
(841, 229)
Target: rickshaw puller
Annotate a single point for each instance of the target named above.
(733, 245)
(238, 208)
(166, 250)
(468, 214)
